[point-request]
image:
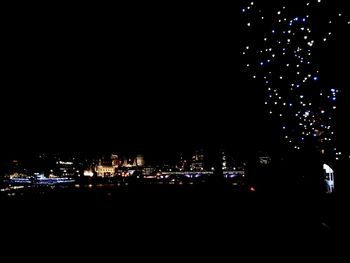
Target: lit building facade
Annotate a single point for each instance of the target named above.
(197, 161)
(105, 170)
(140, 160)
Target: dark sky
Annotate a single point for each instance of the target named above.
(142, 77)
(138, 76)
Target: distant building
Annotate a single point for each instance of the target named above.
(115, 160)
(16, 169)
(182, 163)
(105, 170)
(140, 160)
(148, 170)
(224, 161)
(197, 161)
(129, 162)
(231, 167)
(66, 169)
(115, 166)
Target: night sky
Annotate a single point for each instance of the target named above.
(134, 77)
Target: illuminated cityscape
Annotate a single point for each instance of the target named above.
(51, 169)
(179, 119)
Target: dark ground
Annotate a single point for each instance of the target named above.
(169, 220)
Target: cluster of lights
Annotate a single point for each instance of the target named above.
(285, 60)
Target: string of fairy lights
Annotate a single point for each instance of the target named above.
(283, 54)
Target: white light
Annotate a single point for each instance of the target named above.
(279, 12)
(247, 47)
(248, 24)
(318, 1)
(252, 3)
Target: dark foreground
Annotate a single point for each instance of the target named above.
(171, 219)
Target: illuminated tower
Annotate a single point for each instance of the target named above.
(115, 160)
(197, 161)
(140, 160)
